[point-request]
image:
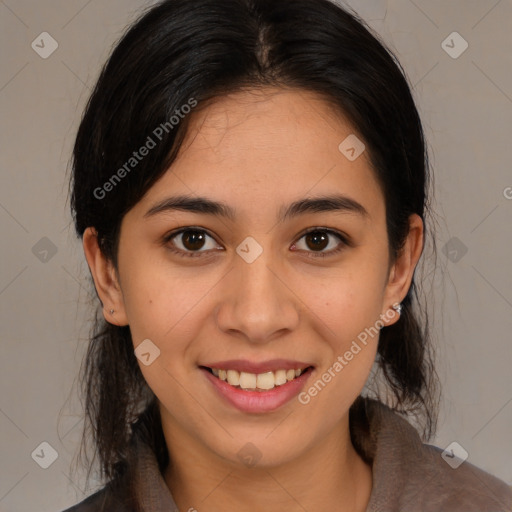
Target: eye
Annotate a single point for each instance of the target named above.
(188, 242)
(317, 239)
(193, 242)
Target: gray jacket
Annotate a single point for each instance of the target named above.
(408, 475)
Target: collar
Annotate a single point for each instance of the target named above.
(408, 475)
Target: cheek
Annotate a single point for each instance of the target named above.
(334, 388)
(159, 313)
(347, 302)
(348, 309)
(167, 304)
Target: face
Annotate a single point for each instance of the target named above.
(263, 288)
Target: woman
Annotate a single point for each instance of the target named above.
(250, 183)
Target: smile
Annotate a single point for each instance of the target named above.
(258, 391)
(256, 382)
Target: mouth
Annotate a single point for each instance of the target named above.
(257, 387)
(259, 382)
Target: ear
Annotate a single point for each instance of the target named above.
(402, 270)
(105, 279)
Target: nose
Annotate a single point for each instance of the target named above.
(258, 302)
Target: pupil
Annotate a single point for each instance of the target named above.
(320, 240)
(193, 240)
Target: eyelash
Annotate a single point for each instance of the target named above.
(344, 242)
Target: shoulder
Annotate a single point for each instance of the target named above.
(436, 485)
(410, 476)
(100, 501)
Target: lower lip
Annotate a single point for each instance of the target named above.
(258, 401)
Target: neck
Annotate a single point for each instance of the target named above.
(329, 476)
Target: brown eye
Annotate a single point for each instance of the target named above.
(317, 240)
(193, 240)
(190, 242)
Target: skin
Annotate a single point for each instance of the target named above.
(256, 151)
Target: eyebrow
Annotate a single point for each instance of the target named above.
(203, 205)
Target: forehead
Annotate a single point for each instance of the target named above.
(268, 121)
(259, 147)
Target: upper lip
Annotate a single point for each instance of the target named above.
(243, 365)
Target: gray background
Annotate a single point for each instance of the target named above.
(45, 296)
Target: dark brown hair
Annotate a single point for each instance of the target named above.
(202, 49)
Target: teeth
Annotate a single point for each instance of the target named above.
(280, 377)
(233, 377)
(265, 380)
(261, 381)
(247, 380)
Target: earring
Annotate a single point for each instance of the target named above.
(397, 308)
(111, 311)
